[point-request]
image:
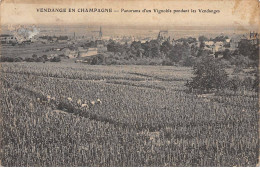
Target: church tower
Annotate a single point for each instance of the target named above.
(100, 33)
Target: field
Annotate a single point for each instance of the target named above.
(27, 50)
(71, 114)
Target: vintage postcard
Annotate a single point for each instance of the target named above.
(112, 83)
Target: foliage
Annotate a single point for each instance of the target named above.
(112, 46)
(6, 59)
(179, 52)
(194, 50)
(166, 47)
(90, 44)
(203, 38)
(188, 40)
(203, 53)
(136, 49)
(154, 49)
(167, 62)
(220, 38)
(256, 81)
(240, 61)
(235, 83)
(190, 61)
(55, 59)
(34, 56)
(255, 54)
(246, 48)
(227, 54)
(98, 59)
(209, 74)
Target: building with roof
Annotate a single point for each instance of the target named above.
(6, 38)
(253, 37)
(87, 52)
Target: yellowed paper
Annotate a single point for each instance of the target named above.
(112, 83)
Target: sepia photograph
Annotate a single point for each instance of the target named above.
(148, 83)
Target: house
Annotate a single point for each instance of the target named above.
(44, 41)
(101, 48)
(218, 46)
(62, 41)
(105, 38)
(34, 39)
(143, 41)
(227, 40)
(70, 53)
(73, 54)
(87, 52)
(234, 43)
(50, 56)
(54, 39)
(253, 37)
(6, 38)
(209, 43)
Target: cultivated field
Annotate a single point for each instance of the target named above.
(27, 50)
(70, 114)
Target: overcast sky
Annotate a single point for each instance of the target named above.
(232, 12)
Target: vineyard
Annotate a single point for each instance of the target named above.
(60, 114)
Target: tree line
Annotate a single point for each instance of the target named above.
(187, 51)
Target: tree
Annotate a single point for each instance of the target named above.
(201, 50)
(240, 61)
(256, 82)
(45, 57)
(255, 53)
(154, 48)
(62, 38)
(209, 75)
(189, 40)
(249, 50)
(89, 44)
(194, 50)
(227, 45)
(189, 61)
(111, 46)
(146, 48)
(179, 52)
(55, 59)
(220, 38)
(203, 53)
(227, 54)
(203, 38)
(136, 48)
(166, 47)
(34, 56)
(98, 59)
(235, 83)
(245, 48)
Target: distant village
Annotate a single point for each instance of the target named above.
(83, 49)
